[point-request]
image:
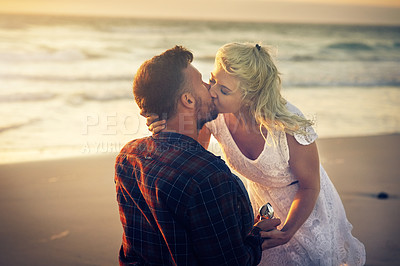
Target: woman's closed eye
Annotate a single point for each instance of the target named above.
(225, 91)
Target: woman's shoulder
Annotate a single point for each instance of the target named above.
(293, 109)
(310, 135)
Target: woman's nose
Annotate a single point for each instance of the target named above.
(212, 91)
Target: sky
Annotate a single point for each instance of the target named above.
(307, 11)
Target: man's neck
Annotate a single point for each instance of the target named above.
(184, 124)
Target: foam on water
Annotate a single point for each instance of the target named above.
(65, 83)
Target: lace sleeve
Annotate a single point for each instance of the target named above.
(306, 139)
(303, 139)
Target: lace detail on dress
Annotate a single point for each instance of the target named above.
(325, 238)
(308, 138)
(303, 139)
(273, 161)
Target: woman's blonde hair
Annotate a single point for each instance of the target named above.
(260, 84)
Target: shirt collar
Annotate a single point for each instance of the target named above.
(173, 138)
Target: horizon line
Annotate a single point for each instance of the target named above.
(167, 18)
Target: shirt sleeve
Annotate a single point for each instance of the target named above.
(214, 218)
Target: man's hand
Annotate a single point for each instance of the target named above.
(274, 238)
(268, 224)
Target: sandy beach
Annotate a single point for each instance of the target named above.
(64, 212)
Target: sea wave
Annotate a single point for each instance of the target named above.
(48, 55)
(77, 99)
(350, 51)
(28, 96)
(334, 58)
(363, 46)
(301, 58)
(18, 125)
(350, 46)
(50, 77)
(335, 52)
(341, 84)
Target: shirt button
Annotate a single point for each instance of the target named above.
(148, 158)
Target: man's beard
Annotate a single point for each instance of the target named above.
(205, 116)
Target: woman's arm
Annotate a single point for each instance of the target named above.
(155, 126)
(304, 164)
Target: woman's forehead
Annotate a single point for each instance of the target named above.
(225, 79)
(219, 72)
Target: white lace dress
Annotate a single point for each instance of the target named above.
(325, 238)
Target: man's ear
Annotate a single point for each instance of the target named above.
(187, 100)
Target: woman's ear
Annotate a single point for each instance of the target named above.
(187, 100)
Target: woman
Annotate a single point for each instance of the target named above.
(270, 143)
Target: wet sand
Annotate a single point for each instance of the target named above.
(64, 212)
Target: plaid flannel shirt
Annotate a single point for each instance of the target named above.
(180, 205)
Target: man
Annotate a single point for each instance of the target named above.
(180, 204)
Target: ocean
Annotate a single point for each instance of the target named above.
(65, 82)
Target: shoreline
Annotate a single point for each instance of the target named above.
(64, 211)
(52, 155)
